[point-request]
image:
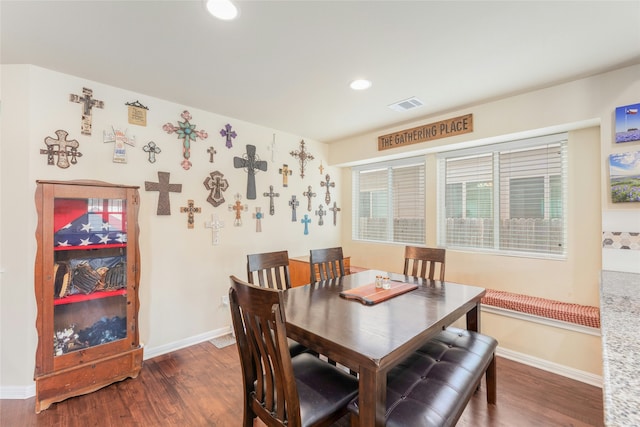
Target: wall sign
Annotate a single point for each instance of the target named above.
(442, 129)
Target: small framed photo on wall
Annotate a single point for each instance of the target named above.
(628, 123)
(624, 176)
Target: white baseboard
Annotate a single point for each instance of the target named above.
(18, 392)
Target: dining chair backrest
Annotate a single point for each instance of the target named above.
(422, 262)
(326, 264)
(272, 269)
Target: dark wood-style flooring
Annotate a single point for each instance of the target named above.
(201, 386)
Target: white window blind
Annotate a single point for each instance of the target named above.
(389, 202)
(505, 197)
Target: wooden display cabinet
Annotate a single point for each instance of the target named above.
(299, 273)
(87, 272)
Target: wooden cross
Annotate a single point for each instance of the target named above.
(190, 209)
(271, 195)
(303, 156)
(258, 216)
(335, 209)
(228, 134)
(187, 132)
(63, 154)
(163, 186)
(326, 183)
(119, 139)
(285, 172)
(294, 203)
(250, 162)
(211, 152)
(215, 225)
(321, 167)
(238, 207)
(216, 184)
(152, 149)
(306, 220)
(309, 194)
(321, 213)
(89, 103)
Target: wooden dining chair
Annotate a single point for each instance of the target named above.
(422, 262)
(278, 389)
(326, 264)
(272, 269)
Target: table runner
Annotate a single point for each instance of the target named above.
(370, 295)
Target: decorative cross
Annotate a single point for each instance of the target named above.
(190, 209)
(285, 172)
(215, 225)
(89, 103)
(327, 183)
(306, 220)
(321, 167)
(250, 162)
(63, 154)
(163, 186)
(321, 213)
(303, 156)
(187, 132)
(258, 216)
(335, 209)
(309, 194)
(238, 207)
(294, 203)
(152, 149)
(271, 195)
(119, 138)
(211, 152)
(216, 184)
(273, 149)
(228, 133)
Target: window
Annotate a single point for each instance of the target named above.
(505, 197)
(389, 202)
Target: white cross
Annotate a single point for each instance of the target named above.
(215, 225)
(273, 149)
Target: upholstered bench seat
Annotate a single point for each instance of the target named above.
(566, 312)
(433, 386)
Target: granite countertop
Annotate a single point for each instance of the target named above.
(620, 324)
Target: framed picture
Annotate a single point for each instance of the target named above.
(624, 175)
(628, 123)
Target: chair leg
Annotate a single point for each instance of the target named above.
(491, 382)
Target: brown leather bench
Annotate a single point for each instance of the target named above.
(433, 386)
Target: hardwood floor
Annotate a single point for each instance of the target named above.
(201, 386)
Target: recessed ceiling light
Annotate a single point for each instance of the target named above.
(222, 9)
(360, 84)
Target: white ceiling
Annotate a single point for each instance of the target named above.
(287, 64)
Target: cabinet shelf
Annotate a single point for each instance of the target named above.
(95, 295)
(89, 247)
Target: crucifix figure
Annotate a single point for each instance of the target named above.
(216, 184)
(238, 207)
(88, 103)
(335, 209)
(294, 203)
(228, 134)
(211, 152)
(119, 139)
(215, 225)
(190, 209)
(303, 156)
(258, 217)
(271, 195)
(327, 183)
(285, 172)
(62, 152)
(187, 132)
(306, 220)
(152, 149)
(321, 213)
(163, 186)
(309, 194)
(250, 162)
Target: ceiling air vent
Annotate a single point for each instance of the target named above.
(407, 104)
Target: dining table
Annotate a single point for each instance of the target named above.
(371, 338)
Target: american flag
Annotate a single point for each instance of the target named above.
(89, 230)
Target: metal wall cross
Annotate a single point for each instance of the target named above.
(335, 209)
(152, 149)
(271, 195)
(215, 225)
(163, 186)
(190, 209)
(258, 217)
(306, 221)
(211, 152)
(251, 163)
(294, 203)
(238, 207)
(309, 194)
(88, 103)
(62, 152)
(328, 184)
(228, 134)
(321, 213)
(188, 133)
(216, 184)
(303, 156)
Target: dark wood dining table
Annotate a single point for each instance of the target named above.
(372, 339)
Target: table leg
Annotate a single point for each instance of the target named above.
(372, 397)
(473, 319)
